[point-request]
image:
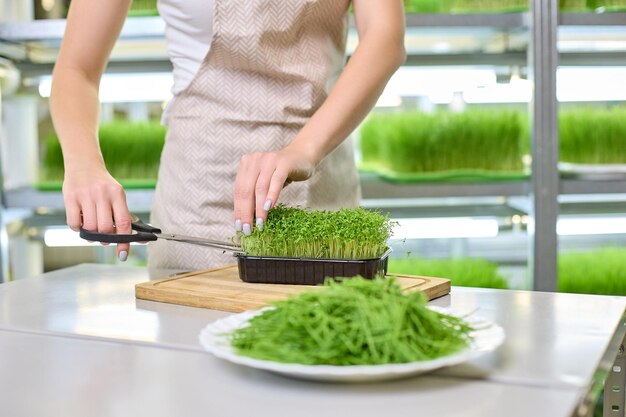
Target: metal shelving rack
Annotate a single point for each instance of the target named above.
(592, 19)
(32, 47)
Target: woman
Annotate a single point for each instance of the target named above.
(268, 104)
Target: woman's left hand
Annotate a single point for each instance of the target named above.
(261, 177)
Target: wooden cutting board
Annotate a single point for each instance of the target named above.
(221, 289)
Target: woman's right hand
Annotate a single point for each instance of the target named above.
(95, 201)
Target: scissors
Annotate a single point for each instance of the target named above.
(146, 233)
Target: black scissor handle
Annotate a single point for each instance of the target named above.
(140, 226)
(145, 233)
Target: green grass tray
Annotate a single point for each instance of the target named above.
(412, 9)
(459, 175)
(143, 13)
(613, 9)
(127, 184)
(476, 10)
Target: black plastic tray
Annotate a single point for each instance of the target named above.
(307, 271)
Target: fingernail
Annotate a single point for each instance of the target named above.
(247, 230)
(268, 205)
(123, 256)
(238, 225)
(259, 224)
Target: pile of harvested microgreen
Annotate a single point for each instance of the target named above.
(295, 232)
(353, 322)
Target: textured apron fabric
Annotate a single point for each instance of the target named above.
(266, 73)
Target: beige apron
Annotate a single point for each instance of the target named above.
(267, 71)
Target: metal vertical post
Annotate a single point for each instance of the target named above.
(543, 59)
(4, 251)
(19, 150)
(16, 11)
(614, 397)
(20, 143)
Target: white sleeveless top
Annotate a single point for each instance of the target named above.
(188, 32)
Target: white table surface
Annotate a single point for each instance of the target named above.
(57, 376)
(78, 338)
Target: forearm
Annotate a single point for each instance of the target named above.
(74, 107)
(353, 96)
(91, 31)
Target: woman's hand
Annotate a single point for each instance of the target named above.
(92, 197)
(97, 202)
(261, 177)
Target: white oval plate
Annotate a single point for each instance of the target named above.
(214, 338)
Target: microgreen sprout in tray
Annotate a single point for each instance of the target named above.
(295, 232)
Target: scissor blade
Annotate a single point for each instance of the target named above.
(200, 241)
